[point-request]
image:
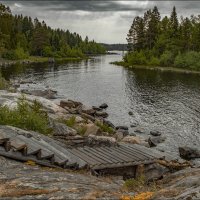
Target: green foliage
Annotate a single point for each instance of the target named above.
(105, 128)
(71, 121)
(81, 130)
(37, 39)
(166, 42)
(189, 60)
(25, 116)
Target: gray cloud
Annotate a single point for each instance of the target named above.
(104, 21)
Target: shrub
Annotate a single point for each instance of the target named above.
(47, 52)
(25, 116)
(136, 58)
(105, 128)
(15, 54)
(153, 61)
(167, 59)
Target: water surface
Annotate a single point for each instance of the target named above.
(165, 101)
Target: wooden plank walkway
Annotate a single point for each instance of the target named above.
(46, 151)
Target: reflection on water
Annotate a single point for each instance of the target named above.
(159, 100)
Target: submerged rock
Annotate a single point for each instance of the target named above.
(189, 153)
(130, 113)
(122, 127)
(103, 106)
(155, 133)
(101, 114)
(139, 130)
(154, 141)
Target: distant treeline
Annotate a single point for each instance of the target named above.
(115, 47)
(21, 36)
(165, 42)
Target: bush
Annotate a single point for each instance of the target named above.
(25, 116)
(153, 61)
(16, 54)
(167, 59)
(190, 60)
(47, 52)
(136, 58)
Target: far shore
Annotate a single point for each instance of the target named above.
(156, 68)
(38, 59)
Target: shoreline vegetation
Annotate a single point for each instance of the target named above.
(156, 68)
(23, 39)
(165, 44)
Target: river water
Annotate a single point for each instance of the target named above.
(164, 101)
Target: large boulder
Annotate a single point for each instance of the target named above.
(154, 141)
(189, 153)
(60, 129)
(132, 139)
(48, 94)
(66, 103)
(92, 129)
(87, 110)
(94, 140)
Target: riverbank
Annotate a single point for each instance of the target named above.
(37, 59)
(156, 68)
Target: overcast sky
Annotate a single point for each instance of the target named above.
(103, 21)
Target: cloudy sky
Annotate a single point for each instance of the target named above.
(104, 21)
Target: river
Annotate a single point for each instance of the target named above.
(164, 101)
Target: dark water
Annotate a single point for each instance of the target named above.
(169, 102)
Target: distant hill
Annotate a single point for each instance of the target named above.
(115, 47)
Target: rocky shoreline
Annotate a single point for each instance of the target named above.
(76, 125)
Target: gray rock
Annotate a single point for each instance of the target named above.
(48, 94)
(97, 108)
(94, 140)
(119, 136)
(154, 141)
(125, 132)
(103, 106)
(139, 130)
(60, 129)
(76, 103)
(101, 114)
(133, 125)
(66, 103)
(155, 133)
(87, 110)
(92, 129)
(189, 153)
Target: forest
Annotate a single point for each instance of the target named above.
(21, 37)
(169, 41)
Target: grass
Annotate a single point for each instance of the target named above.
(105, 128)
(71, 121)
(26, 116)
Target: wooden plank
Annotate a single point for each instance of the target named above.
(142, 152)
(32, 147)
(134, 153)
(86, 158)
(98, 153)
(92, 155)
(17, 144)
(126, 155)
(107, 153)
(115, 155)
(59, 150)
